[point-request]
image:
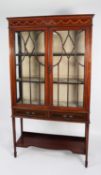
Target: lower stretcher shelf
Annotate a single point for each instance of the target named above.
(74, 144)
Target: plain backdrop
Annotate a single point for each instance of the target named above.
(40, 161)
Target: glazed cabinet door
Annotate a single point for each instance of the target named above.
(31, 67)
(68, 68)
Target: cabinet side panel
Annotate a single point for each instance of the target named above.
(12, 67)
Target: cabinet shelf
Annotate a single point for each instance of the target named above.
(55, 80)
(70, 104)
(68, 81)
(30, 54)
(55, 103)
(31, 80)
(34, 102)
(54, 54)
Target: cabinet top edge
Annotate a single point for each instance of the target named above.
(50, 21)
(51, 16)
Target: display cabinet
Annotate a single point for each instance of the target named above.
(50, 69)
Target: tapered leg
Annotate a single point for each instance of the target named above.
(14, 136)
(21, 124)
(87, 139)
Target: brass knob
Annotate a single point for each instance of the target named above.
(27, 113)
(33, 113)
(68, 116)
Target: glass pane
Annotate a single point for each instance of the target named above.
(18, 90)
(30, 67)
(37, 93)
(26, 93)
(68, 68)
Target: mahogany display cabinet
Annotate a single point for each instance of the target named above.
(50, 71)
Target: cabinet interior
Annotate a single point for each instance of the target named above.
(68, 67)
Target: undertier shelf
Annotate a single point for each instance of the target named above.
(74, 144)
